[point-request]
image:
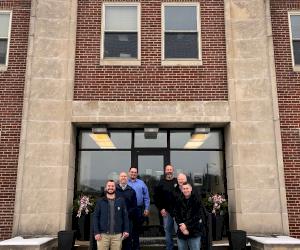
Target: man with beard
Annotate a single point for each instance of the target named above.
(128, 194)
(164, 198)
(143, 205)
(110, 220)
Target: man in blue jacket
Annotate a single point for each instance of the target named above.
(110, 220)
(128, 194)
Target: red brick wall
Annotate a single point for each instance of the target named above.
(11, 101)
(150, 81)
(288, 86)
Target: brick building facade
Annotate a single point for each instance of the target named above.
(11, 104)
(55, 76)
(288, 101)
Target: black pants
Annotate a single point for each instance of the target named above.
(136, 228)
(127, 243)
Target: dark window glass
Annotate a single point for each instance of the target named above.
(96, 167)
(203, 168)
(3, 51)
(159, 142)
(120, 45)
(296, 46)
(181, 45)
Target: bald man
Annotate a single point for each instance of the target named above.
(126, 192)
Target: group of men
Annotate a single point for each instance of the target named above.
(119, 215)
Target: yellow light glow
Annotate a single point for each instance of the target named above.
(103, 141)
(196, 141)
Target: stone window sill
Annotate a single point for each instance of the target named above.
(181, 63)
(3, 68)
(106, 62)
(296, 68)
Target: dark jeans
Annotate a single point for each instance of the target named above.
(136, 228)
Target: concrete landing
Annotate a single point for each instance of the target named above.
(274, 243)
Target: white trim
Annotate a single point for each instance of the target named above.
(3, 67)
(179, 61)
(120, 61)
(296, 67)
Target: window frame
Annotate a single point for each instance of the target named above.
(121, 61)
(296, 67)
(3, 67)
(181, 61)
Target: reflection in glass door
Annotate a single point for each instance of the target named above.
(151, 166)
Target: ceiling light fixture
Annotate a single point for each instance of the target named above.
(199, 136)
(101, 137)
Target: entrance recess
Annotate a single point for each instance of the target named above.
(103, 156)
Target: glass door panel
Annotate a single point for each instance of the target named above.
(150, 171)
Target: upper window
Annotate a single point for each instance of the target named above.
(295, 38)
(120, 32)
(181, 32)
(5, 20)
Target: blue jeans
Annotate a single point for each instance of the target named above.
(169, 227)
(191, 243)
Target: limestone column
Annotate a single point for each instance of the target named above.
(254, 159)
(44, 190)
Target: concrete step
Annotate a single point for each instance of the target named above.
(157, 243)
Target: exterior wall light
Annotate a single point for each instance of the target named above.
(150, 132)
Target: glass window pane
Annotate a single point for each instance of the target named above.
(203, 168)
(181, 45)
(4, 25)
(151, 166)
(296, 47)
(121, 18)
(180, 18)
(141, 142)
(97, 167)
(178, 139)
(3, 51)
(122, 45)
(295, 22)
(120, 139)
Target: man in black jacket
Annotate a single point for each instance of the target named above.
(190, 219)
(128, 194)
(164, 198)
(111, 223)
